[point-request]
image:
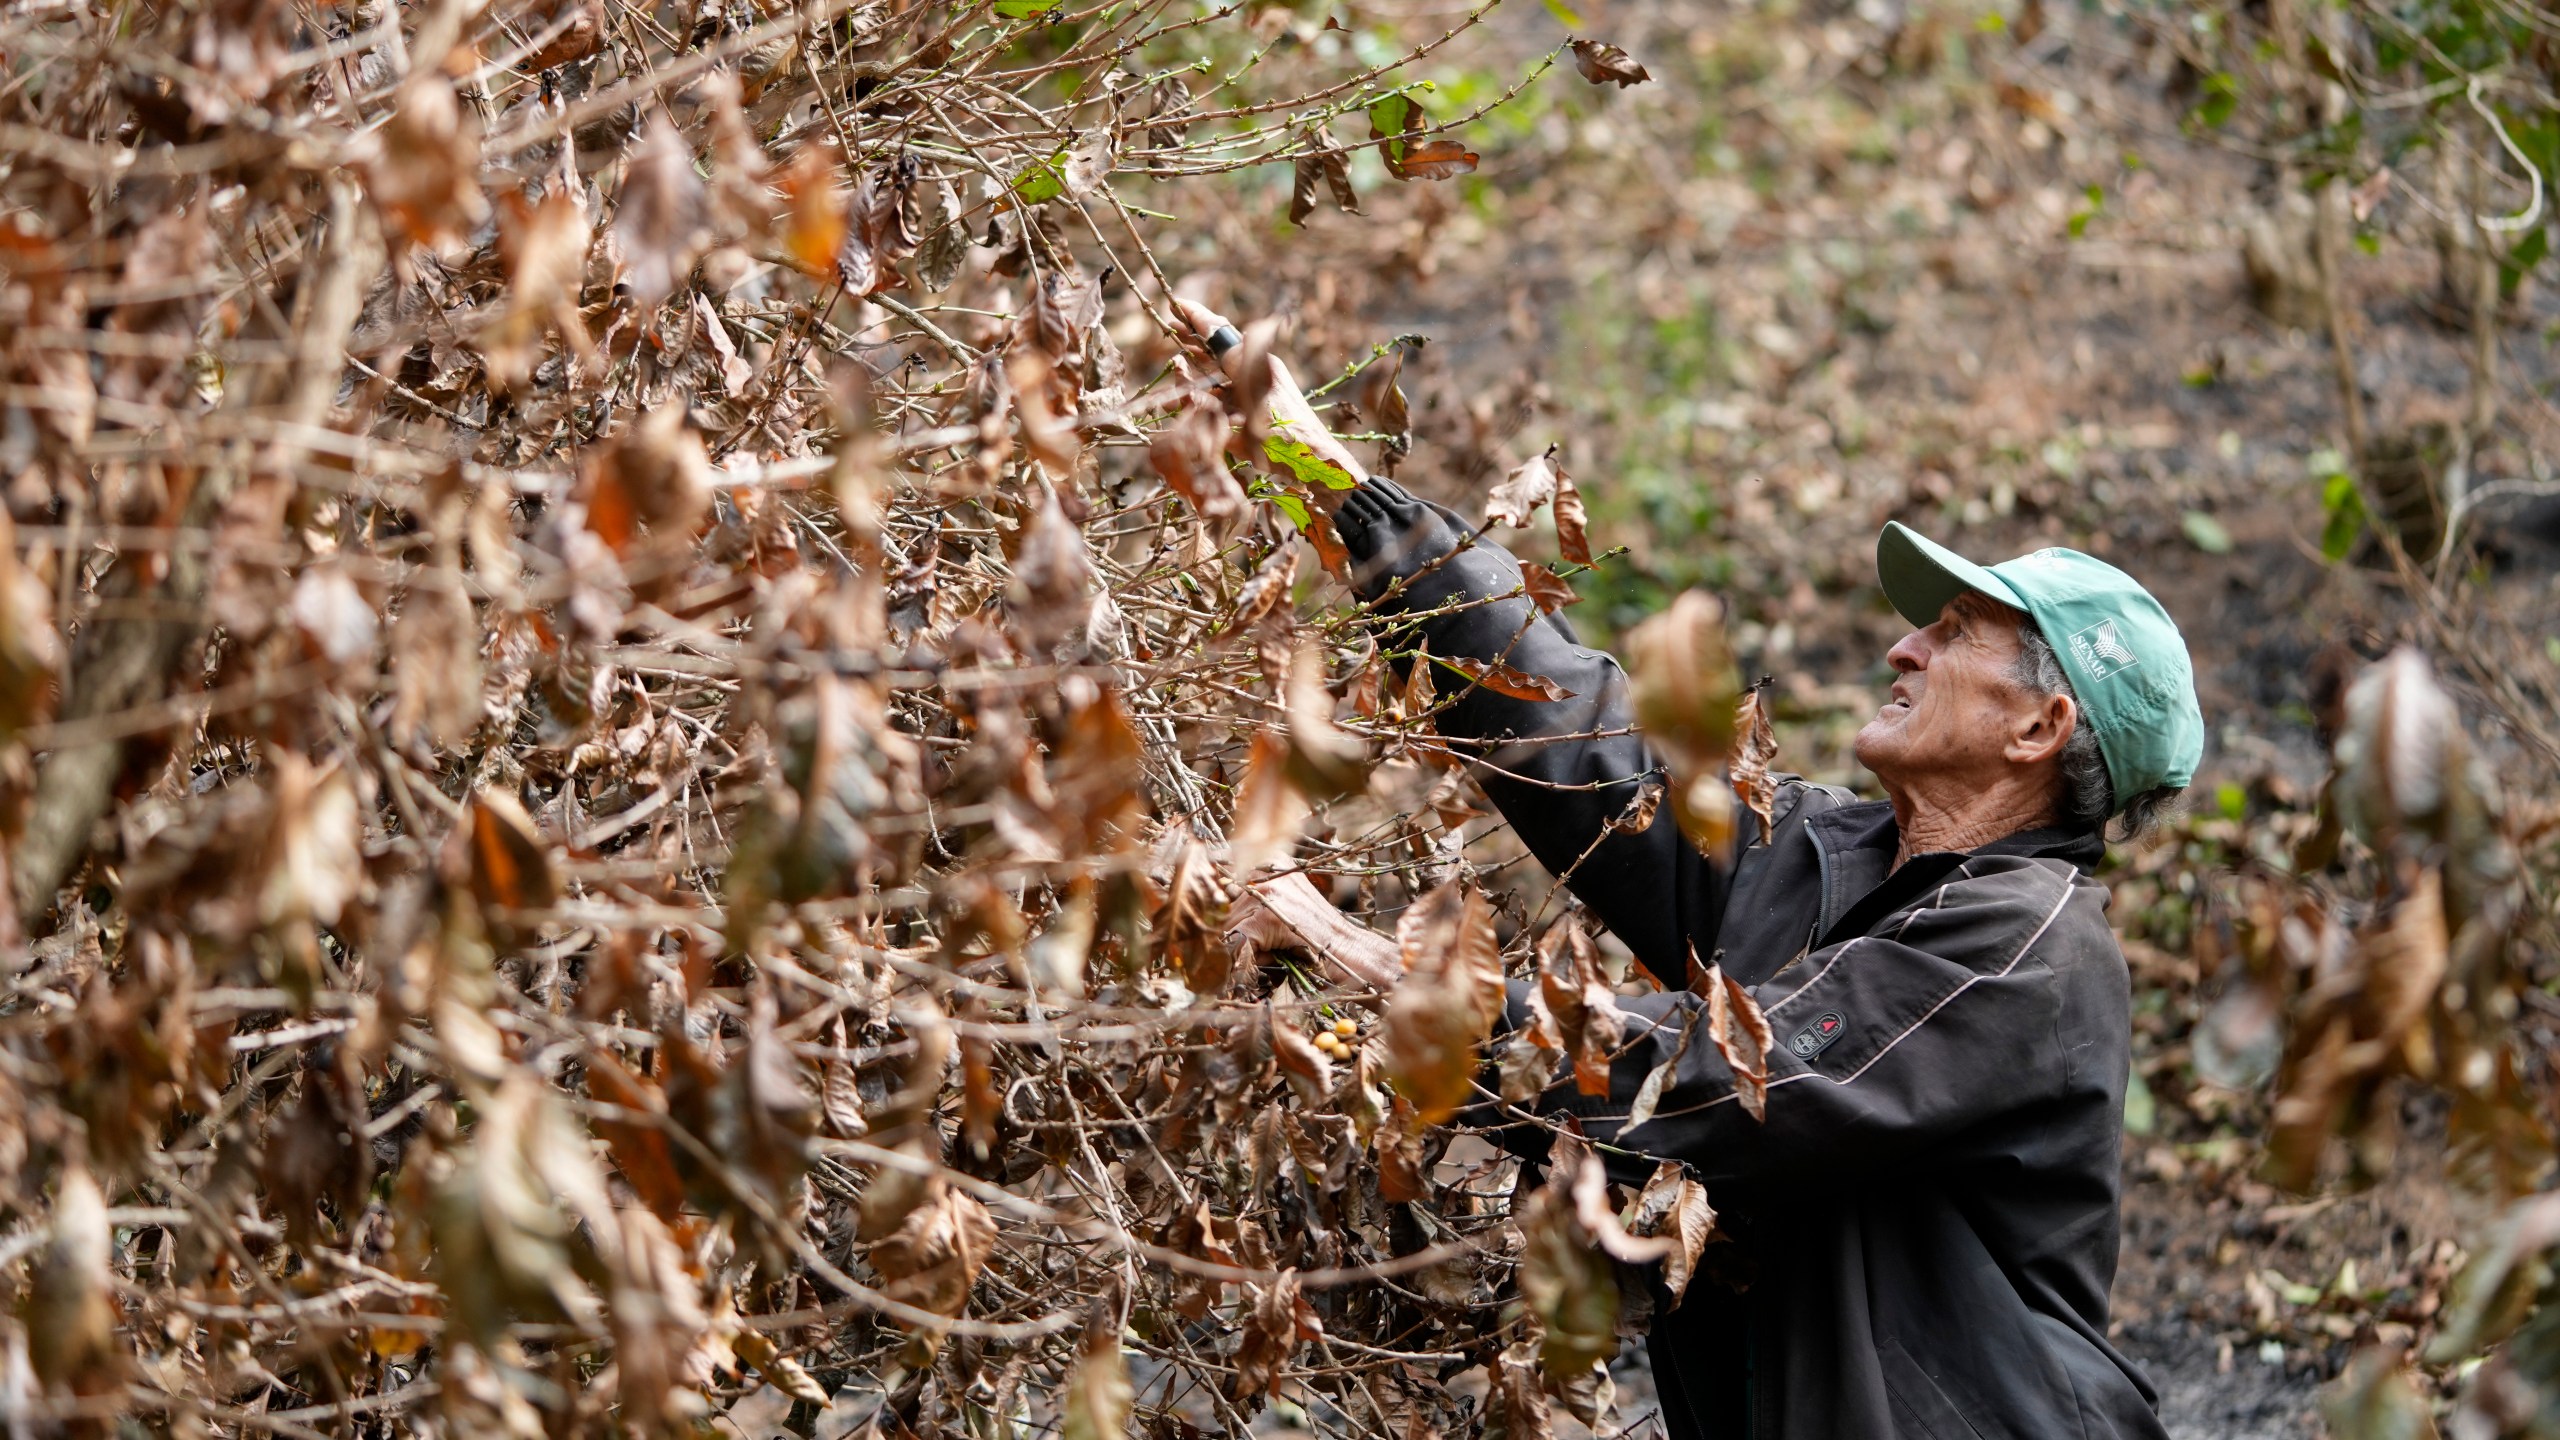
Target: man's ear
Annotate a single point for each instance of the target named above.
(2042, 731)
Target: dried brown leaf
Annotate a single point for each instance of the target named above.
(1438, 160)
(1414, 698)
(1269, 809)
(1047, 432)
(71, 1316)
(1674, 1207)
(1572, 521)
(640, 1150)
(1323, 166)
(1756, 746)
(30, 649)
(1742, 1037)
(1528, 486)
(813, 215)
(1549, 591)
(314, 862)
(942, 244)
(1605, 64)
(1277, 1321)
(1190, 454)
(1685, 690)
(1265, 591)
(663, 220)
(1099, 1395)
(1515, 1404)
(1576, 994)
(651, 486)
(1324, 762)
(1307, 1069)
(1502, 679)
(580, 33)
(435, 662)
(1442, 1011)
(544, 246)
(1052, 591)
(935, 1254)
(424, 173)
(1565, 1276)
(510, 866)
(1368, 956)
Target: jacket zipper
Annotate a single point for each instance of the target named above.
(1822, 860)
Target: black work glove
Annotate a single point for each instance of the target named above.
(1391, 535)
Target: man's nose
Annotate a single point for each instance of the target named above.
(1909, 654)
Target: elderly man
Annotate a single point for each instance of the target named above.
(1928, 1212)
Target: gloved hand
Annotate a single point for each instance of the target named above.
(1391, 535)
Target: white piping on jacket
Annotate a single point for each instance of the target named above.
(2002, 973)
(1936, 902)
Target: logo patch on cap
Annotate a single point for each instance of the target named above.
(2101, 650)
(1815, 1038)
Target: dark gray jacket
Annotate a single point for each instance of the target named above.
(1928, 1215)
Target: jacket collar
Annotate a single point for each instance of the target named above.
(1859, 883)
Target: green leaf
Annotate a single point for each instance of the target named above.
(2369, 242)
(1565, 14)
(1291, 506)
(1303, 463)
(2232, 801)
(1024, 9)
(2205, 533)
(2345, 506)
(1045, 180)
(1991, 23)
(1388, 117)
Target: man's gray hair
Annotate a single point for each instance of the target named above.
(2088, 798)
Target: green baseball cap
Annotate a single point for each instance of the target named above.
(2126, 661)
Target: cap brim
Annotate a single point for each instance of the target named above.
(1920, 575)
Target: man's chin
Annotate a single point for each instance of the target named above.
(1879, 740)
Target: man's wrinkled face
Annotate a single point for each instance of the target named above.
(1955, 707)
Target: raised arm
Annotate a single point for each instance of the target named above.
(1562, 771)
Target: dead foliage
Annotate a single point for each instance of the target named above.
(657, 761)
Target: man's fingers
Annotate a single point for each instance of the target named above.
(1203, 322)
(1268, 393)
(1199, 317)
